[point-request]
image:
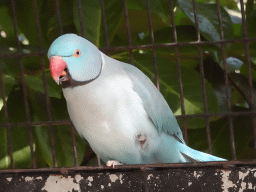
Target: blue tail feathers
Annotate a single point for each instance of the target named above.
(192, 155)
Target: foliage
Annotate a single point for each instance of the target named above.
(34, 76)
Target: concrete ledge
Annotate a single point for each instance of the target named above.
(209, 176)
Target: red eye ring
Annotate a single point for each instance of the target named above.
(77, 53)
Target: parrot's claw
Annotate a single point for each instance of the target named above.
(113, 163)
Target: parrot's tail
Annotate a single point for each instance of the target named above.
(191, 155)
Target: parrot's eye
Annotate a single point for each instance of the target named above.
(77, 53)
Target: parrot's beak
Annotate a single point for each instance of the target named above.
(58, 69)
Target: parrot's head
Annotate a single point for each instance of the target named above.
(74, 60)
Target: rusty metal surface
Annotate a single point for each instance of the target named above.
(211, 176)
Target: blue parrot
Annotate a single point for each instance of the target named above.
(116, 107)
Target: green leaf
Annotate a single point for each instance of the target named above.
(188, 54)
(242, 85)
(220, 137)
(4, 160)
(249, 8)
(181, 18)
(21, 158)
(7, 37)
(237, 30)
(168, 79)
(9, 82)
(135, 5)
(21, 148)
(231, 4)
(50, 20)
(251, 24)
(208, 19)
(243, 69)
(26, 20)
(159, 7)
(19, 135)
(114, 11)
(36, 83)
(6, 23)
(92, 20)
(138, 20)
(63, 145)
(62, 135)
(31, 64)
(238, 99)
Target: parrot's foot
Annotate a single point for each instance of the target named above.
(113, 163)
(98, 159)
(143, 141)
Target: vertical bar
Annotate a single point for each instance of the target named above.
(200, 54)
(98, 159)
(80, 11)
(177, 57)
(57, 6)
(24, 89)
(9, 142)
(105, 29)
(247, 57)
(74, 145)
(223, 52)
(47, 100)
(153, 43)
(128, 31)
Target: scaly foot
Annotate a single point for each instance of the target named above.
(113, 163)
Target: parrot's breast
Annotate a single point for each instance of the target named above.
(111, 117)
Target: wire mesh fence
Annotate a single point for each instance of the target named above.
(201, 44)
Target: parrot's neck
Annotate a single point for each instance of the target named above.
(73, 83)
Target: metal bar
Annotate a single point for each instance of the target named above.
(83, 34)
(220, 164)
(177, 57)
(74, 145)
(152, 42)
(49, 116)
(65, 122)
(105, 28)
(125, 48)
(128, 32)
(57, 6)
(168, 45)
(200, 55)
(247, 57)
(223, 52)
(45, 123)
(47, 100)
(81, 19)
(24, 89)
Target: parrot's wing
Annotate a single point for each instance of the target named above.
(154, 103)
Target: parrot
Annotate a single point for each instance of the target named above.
(116, 107)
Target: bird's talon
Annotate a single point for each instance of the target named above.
(113, 163)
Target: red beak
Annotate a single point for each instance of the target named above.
(57, 68)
